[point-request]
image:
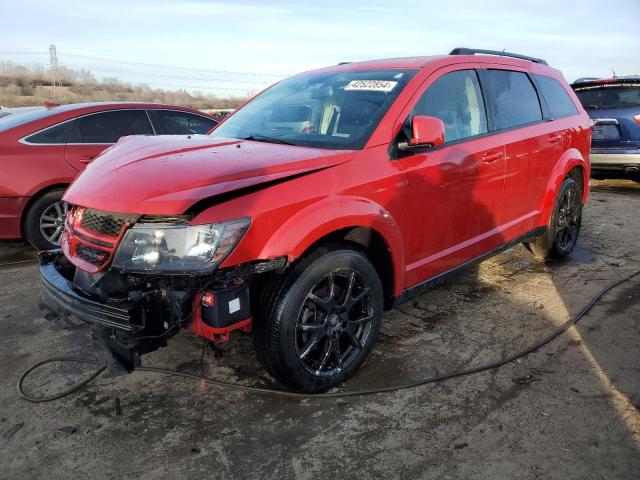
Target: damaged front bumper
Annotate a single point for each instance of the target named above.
(134, 314)
(59, 296)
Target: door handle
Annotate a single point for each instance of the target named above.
(86, 160)
(554, 139)
(492, 157)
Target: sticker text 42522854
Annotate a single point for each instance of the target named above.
(371, 85)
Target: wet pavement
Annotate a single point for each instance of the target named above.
(578, 418)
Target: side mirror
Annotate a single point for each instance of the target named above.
(425, 132)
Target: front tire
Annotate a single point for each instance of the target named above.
(561, 235)
(320, 320)
(44, 221)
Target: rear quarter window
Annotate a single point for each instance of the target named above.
(513, 97)
(556, 97)
(55, 135)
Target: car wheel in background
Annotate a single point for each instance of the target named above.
(320, 320)
(44, 221)
(562, 233)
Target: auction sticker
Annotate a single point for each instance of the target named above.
(371, 85)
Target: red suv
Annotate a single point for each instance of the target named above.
(325, 200)
(43, 149)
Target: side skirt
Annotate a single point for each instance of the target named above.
(432, 282)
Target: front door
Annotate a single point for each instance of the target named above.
(456, 191)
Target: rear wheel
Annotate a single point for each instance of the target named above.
(44, 221)
(561, 235)
(320, 320)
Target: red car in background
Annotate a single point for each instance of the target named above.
(43, 150)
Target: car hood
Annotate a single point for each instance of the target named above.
(168, 174)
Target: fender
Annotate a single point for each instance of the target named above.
(570, 159)
(62, 182)
(335, 213)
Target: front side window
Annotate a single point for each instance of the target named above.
(173, 122)
(456, 99)
(336, 110)
(557, 99)
(514, 99)
(108, 127)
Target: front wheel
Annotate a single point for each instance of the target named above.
(320, 320)
(561, 235)
(44, 221)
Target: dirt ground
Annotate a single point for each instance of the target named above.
(579, 419)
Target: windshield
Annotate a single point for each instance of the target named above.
(599, 97)
(323, 110)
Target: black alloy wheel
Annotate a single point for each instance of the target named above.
(316, 323)
(561, 236)
(334, 322)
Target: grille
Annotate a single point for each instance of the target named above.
(91, 255)
(102, 222)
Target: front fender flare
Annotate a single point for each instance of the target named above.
(332, 214)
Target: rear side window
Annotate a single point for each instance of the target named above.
(182, 123)
(557, 99)
(108, 127)
(612, 95)
(515, 101)
(456, 99)
(57, 134)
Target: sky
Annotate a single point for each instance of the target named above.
(237, 48)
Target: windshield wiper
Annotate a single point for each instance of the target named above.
(262, 138)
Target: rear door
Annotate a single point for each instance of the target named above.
(93, 133)
(556, 132)
(176, 122)
(516, 117)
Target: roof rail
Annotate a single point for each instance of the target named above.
(473, 51)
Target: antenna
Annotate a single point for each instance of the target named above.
(614, 73)
(53, 64)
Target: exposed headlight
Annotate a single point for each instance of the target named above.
(178, 248)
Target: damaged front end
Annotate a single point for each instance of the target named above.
(139, 280)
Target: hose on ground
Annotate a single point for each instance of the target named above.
(282, 393)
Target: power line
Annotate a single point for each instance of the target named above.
(142, 64)
(178, 77)
(173, 85)
(23, 53)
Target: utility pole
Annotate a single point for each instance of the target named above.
(53, 66)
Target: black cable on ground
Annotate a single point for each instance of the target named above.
(438, 378)
(18, 262)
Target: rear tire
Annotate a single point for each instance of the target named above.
(561, 235)
(320, 319)
(44, 220)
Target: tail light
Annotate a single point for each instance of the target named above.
(637, 118)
